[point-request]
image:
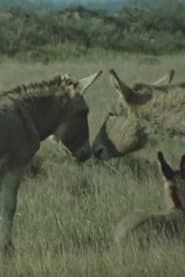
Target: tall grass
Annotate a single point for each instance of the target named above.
(67, 212)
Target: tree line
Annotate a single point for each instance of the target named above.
(155, 30)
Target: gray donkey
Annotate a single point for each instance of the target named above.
(28, 115)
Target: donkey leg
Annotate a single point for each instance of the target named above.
(9, 184)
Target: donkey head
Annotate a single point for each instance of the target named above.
(74, 131)
(121, 131)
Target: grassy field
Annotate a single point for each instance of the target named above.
(67, 212)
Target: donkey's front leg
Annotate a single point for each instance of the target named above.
(9, 184)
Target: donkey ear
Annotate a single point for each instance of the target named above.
(131, 96)
(182, 167)
(169, 77)
(85, 83)
(125, 91)
(165, 167)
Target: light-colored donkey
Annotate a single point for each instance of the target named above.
(146, 227)
(141, 113)
(28, 115)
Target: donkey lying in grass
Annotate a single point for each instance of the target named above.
(145, 226)
(28, 115)
(140, 114)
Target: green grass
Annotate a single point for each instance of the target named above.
(67, 212)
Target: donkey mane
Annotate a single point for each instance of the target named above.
(35, 89)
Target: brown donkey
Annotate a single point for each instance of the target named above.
(171, 222)
(28, 115)
(142, 112)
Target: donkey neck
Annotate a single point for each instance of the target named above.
(161, 114)
(48, 113)
(44, 103)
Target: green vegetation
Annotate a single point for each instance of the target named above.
(67, 212)
(76, 31)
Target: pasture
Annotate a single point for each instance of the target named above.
(67, 211)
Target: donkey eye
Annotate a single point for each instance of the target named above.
(111, 114)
